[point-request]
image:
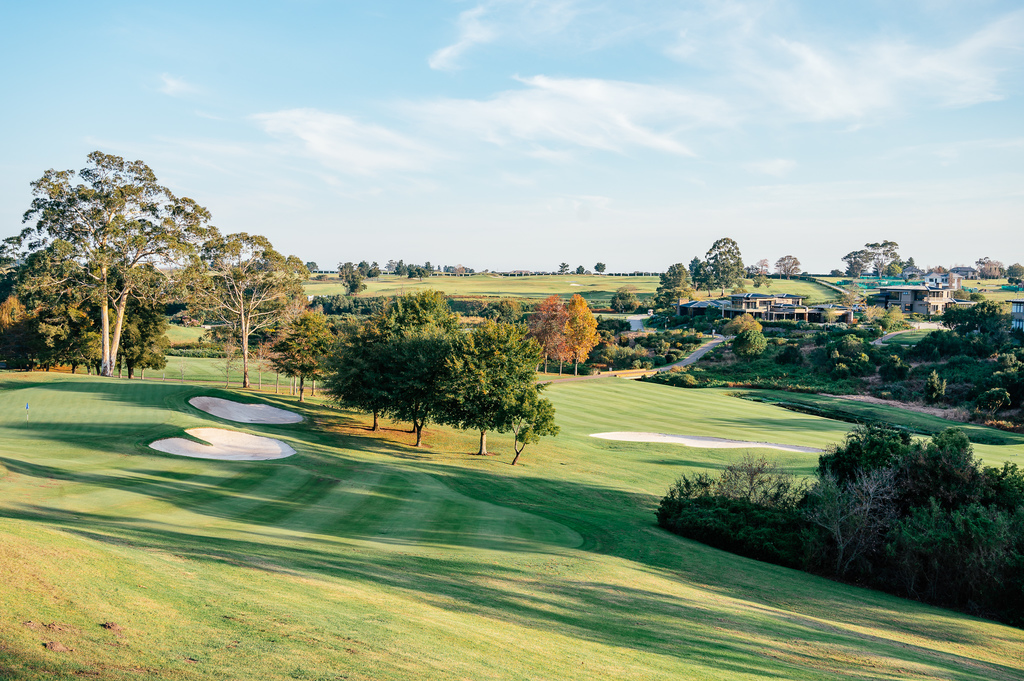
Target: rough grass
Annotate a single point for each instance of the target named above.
(909, 337)
(364, 558)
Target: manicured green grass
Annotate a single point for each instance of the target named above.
(364, 558)
(595, 288)
(909, 337)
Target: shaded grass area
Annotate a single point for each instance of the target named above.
(362, 557)
(909, 337)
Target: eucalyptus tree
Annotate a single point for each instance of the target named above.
(245, 284)
(725, 263)
(111, 224)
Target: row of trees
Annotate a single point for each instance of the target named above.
(108, 247)
(411, 362)
(565, 331)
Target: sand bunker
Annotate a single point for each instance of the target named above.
(224, 444)
(696, 441)
(244, 413)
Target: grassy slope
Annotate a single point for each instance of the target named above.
(364, 558)
(594, 288)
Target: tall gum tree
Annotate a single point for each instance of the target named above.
(112, 224)
(246, 284)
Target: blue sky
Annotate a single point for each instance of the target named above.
(506, 134)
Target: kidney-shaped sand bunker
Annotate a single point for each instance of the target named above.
(226, 445)
(244, 413)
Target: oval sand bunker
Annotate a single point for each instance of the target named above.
(244, 413)
(697, 441)
(226, 445)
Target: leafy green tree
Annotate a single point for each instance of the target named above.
(580, 331)
(581, 269)
(144, 340)
(352, 277)
(600, 267)
(506, 311)
(725, 263)
(489, 372)
(993, 400)
(761, 280)
(624, 300)
(1015, 273)
(671, 286)
(882, 254)
(934, 387)
(563, 268)
(857, 263)
(749, 343)
(312, 266)
(739, 324)
(358, 371)
(701, 275)
(246, 285)
(118, 220)
(303, 350)
(987, 317)
(533, 417)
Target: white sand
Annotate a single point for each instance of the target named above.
(244, 413)
(696, 441)
(224, 444)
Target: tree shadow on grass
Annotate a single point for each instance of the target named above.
(609, 521)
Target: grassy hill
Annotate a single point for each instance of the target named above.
(364, 558)
(595, 288)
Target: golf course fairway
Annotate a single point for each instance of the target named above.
(362, 557)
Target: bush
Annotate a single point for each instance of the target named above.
(749, 343)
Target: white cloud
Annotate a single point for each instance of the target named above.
(523, 20)
(345, 144)
(472, 31)
(176, 87)
(860, 80)
(550, 114)
(777, 167)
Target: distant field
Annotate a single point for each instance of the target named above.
(596, 289)
(363, 558)
(184, 334)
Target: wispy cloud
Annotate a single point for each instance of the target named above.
(549, 115)
(859, 80)
(176, 87)
(472, 31)
(343, 143)
(495, 19)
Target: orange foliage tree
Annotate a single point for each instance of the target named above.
(547, 325)
(580, 331)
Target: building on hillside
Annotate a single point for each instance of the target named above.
(965, 272)
(912, 273)
(767, 307)
(1017, 314)
(924, 300)
(950, 280)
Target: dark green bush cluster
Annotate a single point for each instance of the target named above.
(350, 305)
(923, 520)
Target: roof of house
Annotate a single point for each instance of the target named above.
(703, 303)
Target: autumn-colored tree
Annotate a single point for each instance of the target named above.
(580, 331)
(547, 325)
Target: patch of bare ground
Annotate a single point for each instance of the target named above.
(952, 413)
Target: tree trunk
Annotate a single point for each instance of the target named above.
(245, 352)
(560, 363)
(519, 450)
(106, 366)
(74, 369)
(312, 390)
(545, 364)
(261, 378)
(575, 368)
(419, 433)
(277, 384)
(115, 343)
(302, 386)
(376, 425)
(483, 443)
